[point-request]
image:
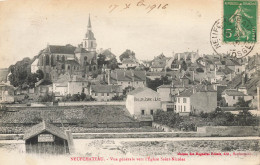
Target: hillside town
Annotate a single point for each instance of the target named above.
(185, 83)
(66, 98)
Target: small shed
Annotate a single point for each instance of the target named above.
(46, 138)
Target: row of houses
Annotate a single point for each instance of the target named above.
(194, 100)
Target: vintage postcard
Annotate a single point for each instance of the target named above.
(129, 82)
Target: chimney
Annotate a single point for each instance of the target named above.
(193, 90)
(243, 79)
(258, 98)
(108, 77)
(132, 73)
(116, 77)
(215, 71)
(193, 76)
(206, 87)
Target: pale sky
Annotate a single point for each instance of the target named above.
(184, 25)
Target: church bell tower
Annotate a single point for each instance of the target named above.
(89, 41)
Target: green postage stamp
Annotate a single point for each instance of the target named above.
(240, 21)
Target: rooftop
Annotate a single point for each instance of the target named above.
(42, 127)
(57, 49)
(106, 88)
(197, 88)
(128, 75)
(233, 92)
(139, 90)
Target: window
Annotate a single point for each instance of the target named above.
(175, 108)
(96, 94)
(128, 82)
(184, 108)
(102, 94)
(181, 108)
(82, 83)
(107, 94)
(68, 67)
(142, 112)
(184, 100)
(234, 97)
(151, 112)
(178, 100)
(47, 58)
(58, 57)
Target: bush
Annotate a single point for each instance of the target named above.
(46, 98)
(200, 70)
(118, 97)
(170, 119)
(203, 115)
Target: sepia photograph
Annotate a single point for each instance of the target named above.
(129, 82)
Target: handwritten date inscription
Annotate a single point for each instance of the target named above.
(141, 4)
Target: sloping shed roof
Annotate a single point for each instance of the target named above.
(233, 92)
(106, 88)
(43, 126)
(140, 89)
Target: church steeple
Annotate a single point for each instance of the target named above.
(89, 22)
(89, 42)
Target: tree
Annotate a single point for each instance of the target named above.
(82, 96)
(112, 64)
(242, 103)
(170, 119)
(21, 75)
(200, 70)
(116, 97)
(127, 89)
(31, 79)
(75, 97)
(184, 66)
(153, 84)
(40, 74)
(101, 60)
(46, 98)
(127, 54)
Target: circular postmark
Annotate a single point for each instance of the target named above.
(237, 48)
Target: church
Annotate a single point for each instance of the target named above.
(56, 60)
